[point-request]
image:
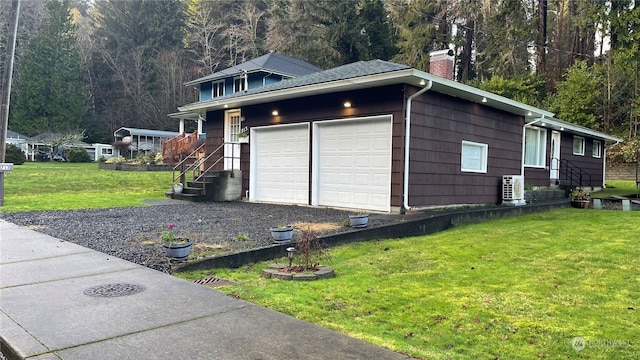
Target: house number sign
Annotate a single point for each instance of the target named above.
(6, 167)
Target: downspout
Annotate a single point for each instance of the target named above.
(524, 132)
(407, 142)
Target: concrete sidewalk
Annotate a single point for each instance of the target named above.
(59, 300)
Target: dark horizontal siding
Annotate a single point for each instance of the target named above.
(587, 163)
(439, 125)
(367, 102)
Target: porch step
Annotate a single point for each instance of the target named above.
(215, 186)
(189, 197)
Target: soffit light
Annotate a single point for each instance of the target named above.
(484, 99)
(275, 113)
(347, 104)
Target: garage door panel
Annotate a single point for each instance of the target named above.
(355, 172)
(281, 164)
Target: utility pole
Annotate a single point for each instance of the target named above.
(6, 92)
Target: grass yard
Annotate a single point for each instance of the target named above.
(618, 188)
(518, 288)
(65, 186)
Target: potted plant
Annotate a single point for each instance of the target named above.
(360, 219)
(175, 247)
(177, 188)
(243, 137)
(579, 198)
(282, 234)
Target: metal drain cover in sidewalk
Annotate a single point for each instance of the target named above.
(213, 282)
(113, 290)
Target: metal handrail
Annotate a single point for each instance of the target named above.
(194, 168)
(571, 170)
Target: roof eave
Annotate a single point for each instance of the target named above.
(362, 82)
(206, 79)
(559, 125)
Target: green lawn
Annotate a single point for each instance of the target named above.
(518, 288)
(64, 186)
(618, 188)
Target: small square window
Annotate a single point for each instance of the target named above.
(578, 145)
(597, 149)
(474, 157)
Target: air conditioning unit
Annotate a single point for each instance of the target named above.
(513, 190)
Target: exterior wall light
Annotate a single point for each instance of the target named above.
(275, 113)
(347, 104)
(484, 99)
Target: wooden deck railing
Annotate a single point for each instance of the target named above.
(178, 147)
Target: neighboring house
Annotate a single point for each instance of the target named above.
(264, 70)
(40, 148)
(141, 140)
(16, 139)
(382, 136)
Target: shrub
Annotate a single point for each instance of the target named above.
(102, 159)
(14, 155)
(77, 155)
(115, 160)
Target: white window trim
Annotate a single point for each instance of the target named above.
(242, 81)
(213, 88)
(485, 154)
(599, 147)
(581, 153)
(542, 139)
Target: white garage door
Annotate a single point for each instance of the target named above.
(353, 167)
(280, 164)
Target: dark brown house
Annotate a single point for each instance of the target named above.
(381, 136)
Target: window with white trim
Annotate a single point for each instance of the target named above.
(578, 145)
(106, 151)
(238, 84)
(217, 88)
(535, 147)
(474, 157)
(596, 152)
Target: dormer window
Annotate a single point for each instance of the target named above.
(238, 84)
(217, 89)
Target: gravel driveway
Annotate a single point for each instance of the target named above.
(133, 234)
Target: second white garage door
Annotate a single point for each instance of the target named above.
(280, 164)
(352, 163)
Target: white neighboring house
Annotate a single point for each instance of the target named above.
(39, 148)
(18, 140)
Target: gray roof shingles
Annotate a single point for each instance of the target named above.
(274, 62)
(345, 72)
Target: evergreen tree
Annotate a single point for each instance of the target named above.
(134, 40)
(578, 96)
(50, 92)
(421, 28)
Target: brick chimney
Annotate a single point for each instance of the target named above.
(441, 63)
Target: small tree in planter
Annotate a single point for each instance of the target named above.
(310, 249)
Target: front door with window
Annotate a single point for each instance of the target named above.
(555, 157)
(232, 126)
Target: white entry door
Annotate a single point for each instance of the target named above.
(232, 126)
(280, 164)
(554, 173)
(352, 163)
